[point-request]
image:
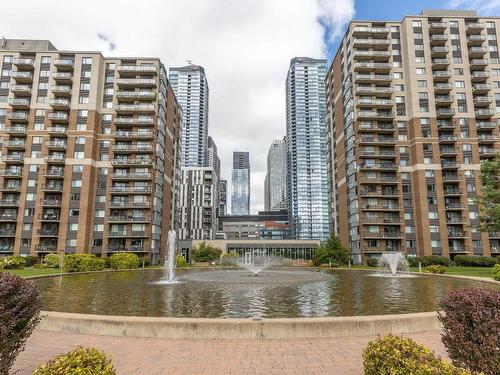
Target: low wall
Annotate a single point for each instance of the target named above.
(191, 328)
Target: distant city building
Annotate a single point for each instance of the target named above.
(89, 152)
(276, 182)
(412, 114)
(213, 157)
(222, 197)
(198, 200)
(266, 225)
(191, 90)
(240, 193)
(307, 151)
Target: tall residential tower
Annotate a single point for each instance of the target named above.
(276, 182)
(412, 112)
(240, 193)
(307, 151)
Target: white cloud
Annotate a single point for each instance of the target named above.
(483, 7)
(245, 47)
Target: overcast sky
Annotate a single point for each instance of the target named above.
(245, 47)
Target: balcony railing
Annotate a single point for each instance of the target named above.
(64, 64)
(130, 189)
(136, 69)
(131, 108)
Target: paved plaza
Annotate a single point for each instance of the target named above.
(152, 356)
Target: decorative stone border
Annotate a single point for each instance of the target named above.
(192, 328)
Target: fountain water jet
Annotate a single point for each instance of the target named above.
(394, 262)
(255, 261)
(169, 264)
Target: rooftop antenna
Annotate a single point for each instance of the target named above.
(190, 62)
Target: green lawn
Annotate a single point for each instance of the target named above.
(462, 271)
(29, 271)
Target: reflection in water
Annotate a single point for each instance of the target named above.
(232, 293)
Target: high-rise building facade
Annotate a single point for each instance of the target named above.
(412, 112)
(307, 151)
(89, 152)
(213, 157)
(240, 183)
(198, 200)
(222, 197)
(276, 182)
(190, 87)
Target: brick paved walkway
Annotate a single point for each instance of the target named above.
(150, 356)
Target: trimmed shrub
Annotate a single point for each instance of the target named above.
(395, 355)
(331, 251)
(229, 259)
(40, 266)
(20, 305)
(474, 261)
(30, 260)
(52, 260)
(206, 253)
(13, 262)
(89, 361)
(471, 328)
(124, 261)
(372, 262)
(429, 260)
(496, 272)
(435, 269)
(83, 262)
(180, 262)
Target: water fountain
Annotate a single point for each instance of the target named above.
(169, 264)
(394, 262)
(255, 261)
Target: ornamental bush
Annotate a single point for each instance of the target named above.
(30, 260)
(429, 260)
(331, 251)
(229, 259)
(52, 260)
(206, 253)
(180, 262)
(435, 269)
(124, 261)
(496, 272)
(83, 262)
(19, 314)
(474, 261)
(471, 329)
(81, 361)
(372, 262)
(396, 355)
(13, 262)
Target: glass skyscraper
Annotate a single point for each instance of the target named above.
(275, 186)
(307, 151)
(190, 86)
(240, 193)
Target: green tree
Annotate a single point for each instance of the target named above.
(489, 200)
(331, 251)
(206, 253)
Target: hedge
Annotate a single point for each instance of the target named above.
(13, 262)
(52, 260)
(123, 261)
(429, 260)
(474, 261)
(83, 262)
(435, 269)
(372, 262)
(496, 272)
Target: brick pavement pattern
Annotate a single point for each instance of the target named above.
(154, 356)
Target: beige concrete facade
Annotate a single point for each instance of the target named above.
(89, 152)
(412, 111)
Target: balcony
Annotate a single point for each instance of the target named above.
(45, 249)
(456, 220)
(380, 128)
(378, 91)
(50, 203)
(442, 88)
(379, 166)
(476, 40)
(127, 204)
(450, 165)
(439, 51)
(445, 100)
(131, 249)
(454, 206)
(458, 250)
(380, 207)
(11, 172)
(136, 82)
(487, 138)
(486, 125)
(128, 234)
(448, 151)
(53, 159)
(9, 202)
(379, 180)
(55, 145)
(133, 135)
(19, 103)
(394, 235)
(477, 51)
(381, 221)
(9, 187)
(53, 187)
(46, 232)
(13, 159)
(438, 39)
(441, 75)
(14, 145)
(452, 193)
(62, 77)
(21, 90)
(8, 217)
(480, 76)
(474, 28)
(130, 189)
(131, 121)
(132, 162)
(374, 115)
(135, 108)
(369, 30)
(451, 178)
(54, 172)
(380, 194)
(59, 103)
(372, 55)
(128, 70)
(131, 176)
(437, 27)
(128, 219)
(118, 148)
(57, 130)
(64, 64)
(61, 90)
(373, 78)
(7, 232)
(49, 217)
(445, 112)
(18, 116)
(481, 101)
(372, 67)
(135, 95)
(21, 63)
(378, 153)
(484, 113)
(445, 125)
(22, 77)
(487, 151)
(440, 63)
(457, 234)
(478, 63)
(447, 139)
(379, 103)
(15, 130)
(58, 117)
(365, 139)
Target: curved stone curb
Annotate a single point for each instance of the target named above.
(192, 328)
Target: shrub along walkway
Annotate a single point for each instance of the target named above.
(151, 356)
